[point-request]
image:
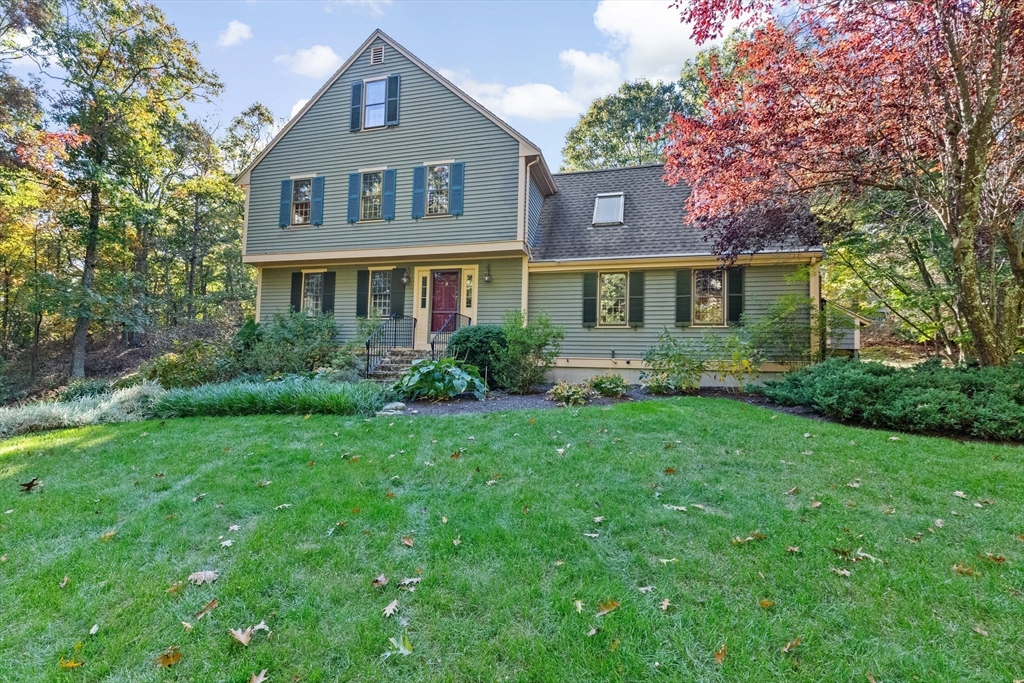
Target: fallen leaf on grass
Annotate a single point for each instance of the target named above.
(402, 647)
(676, 508)
(720, 654)
(664, 605)
(175, 587)
(999, 559)
(187, 626)
(234, 527)
(855, 484)
(579, 606)
(960, 494)
(262, 626)
(980, 631)
(261, 484)
(389, 495)
(815, 503)
(840, 571)
(29, 485)
(793, 549)
(64, 582)
(457, 540)
(670, 470)
(94, 630)
(199, 498)
(592, 632)
(70, 663)
(109, 535)
(614, 645)
(407, 540)
(792, 645)
(793, 491)
(282, 506)
(390, 610)
(964, 570)
(894, 438)
(598, 520)
(241, 636)
(767, 604)
(674, 560)
(205, 576)
(699, 507)
(227, 544)
(607, 607)
(410, 582)
(261, 677)
(754, 536)
(590, 535)
(379, 582)
(939, 523)
(168, 657)
(645, 589)
(210, 606)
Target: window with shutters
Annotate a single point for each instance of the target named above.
(312, 293)
(374, 103)
(302, 195)
(438, 188)
(612, 297)
(371, 197)
(709, 297)
(380, 293)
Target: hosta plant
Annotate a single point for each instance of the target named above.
(440, 379)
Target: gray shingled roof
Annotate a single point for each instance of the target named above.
(652, 217)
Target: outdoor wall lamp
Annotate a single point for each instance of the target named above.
(487, 272)
(405, 277)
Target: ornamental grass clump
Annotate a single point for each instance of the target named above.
(123, 405)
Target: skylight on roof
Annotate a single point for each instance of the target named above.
(608, 208)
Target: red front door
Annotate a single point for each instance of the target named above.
(445, 298)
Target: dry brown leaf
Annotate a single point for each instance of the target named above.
(234, 527)
(241, 636)
(109, 535)
(261, 484)
(205, 576)
(980, 631)
(410, 582)
(579, 606)
(792, 645)
(187, 626)
(390, 610)
(840, 571)
(380, 581)
(670, 470)
(592, 632)
(598, 520)
(407, 540)
(998, 559)
(262, 626)
(457, 540)
(168, 657)
(720, 654)
(793, 549)
(559, 563)
(964, 570)
(261, 677)
(754, 536)
(767, 604)
(389, 495)
(815, 503)
(664, 605)
(645, 589)
(960, 494)
(871, 678)
(793, 491)
(64, 582)
(940, 523)
(210, 606)
(607, 607)
(70, 663)
(175, 588)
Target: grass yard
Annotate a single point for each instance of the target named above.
(517, 598)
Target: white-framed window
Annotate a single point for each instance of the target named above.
(312, 293)
(612, 299)
(380, 293)
(371, 196)
(375, 96)
(439, 177)
(608, 208)
(302, 195)
(709, 297)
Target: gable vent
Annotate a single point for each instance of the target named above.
(376, 55)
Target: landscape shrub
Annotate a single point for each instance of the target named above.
(530, 352)
(928, 398)
(611, 384)
(479, 345)
(731, 356)
(440, 379)
(570, 394)
(675, 365)
(122, 405)
(296, 396)
(197, 362)
(80, 388)
(657, 383)
(291, 343)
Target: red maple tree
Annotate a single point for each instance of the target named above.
(919, 97)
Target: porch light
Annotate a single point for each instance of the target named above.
(487, 272)
(405, 277)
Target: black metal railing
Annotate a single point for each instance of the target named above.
(439, 340)
(397, 331)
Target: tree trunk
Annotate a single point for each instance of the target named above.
(190, 284)
(88, 277)
(139, 289)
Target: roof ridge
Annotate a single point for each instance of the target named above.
(605, 170)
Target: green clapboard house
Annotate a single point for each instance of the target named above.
(394, 196)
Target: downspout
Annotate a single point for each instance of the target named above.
(524, 298)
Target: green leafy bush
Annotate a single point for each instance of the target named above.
(197, 362)
(611, 384)
(569, 394)
(928, 398)
(731, 356)
(675, 365)
(657, 383)
(81, 388)
(123, 405)
(440, 379)
(530, 352)
(297, 396)
(290, 344)
(479, 345)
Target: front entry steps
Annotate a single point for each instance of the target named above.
(395, 363)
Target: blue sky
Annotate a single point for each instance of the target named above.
(535, 64)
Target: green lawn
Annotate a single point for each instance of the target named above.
(501, 605)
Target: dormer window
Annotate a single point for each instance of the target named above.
(608, 208)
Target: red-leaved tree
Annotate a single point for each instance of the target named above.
(924, 98)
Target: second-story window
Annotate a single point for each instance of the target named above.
(302, 193)
(374, 103)
(438, 187)
(371, 196)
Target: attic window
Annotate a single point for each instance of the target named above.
(608, 208)
(376, 55)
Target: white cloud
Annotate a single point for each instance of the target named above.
(235, 34)
(296, 107)
(318, 61)
(593, 74)
(375, 8)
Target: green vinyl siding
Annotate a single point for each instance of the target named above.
(561, 296)
(493, 298)
(435, 125)
(535, 204)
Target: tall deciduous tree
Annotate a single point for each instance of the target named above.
(919, 98)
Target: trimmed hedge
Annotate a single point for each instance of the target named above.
(478, 345)
(297, 396)
(927, 398)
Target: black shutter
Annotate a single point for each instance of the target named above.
(362, 293)
(355, 121)
(327, 303)
(391, 108)
(735, 305)
(397, 292)
(589, 299)
(296, 292)
(284, 215)
(684, 297)
(635, 311)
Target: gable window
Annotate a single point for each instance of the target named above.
(374, 103)
(709, 297)
(312, 293)
(302, 195)
(380, 293)
(438, 188)
(612, 299)
(608, 208)
(371, 196)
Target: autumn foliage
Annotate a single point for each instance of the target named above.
(830, 99)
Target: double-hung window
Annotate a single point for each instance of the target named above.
(380, 293)
(612, 299)
(312, 293)
(302, 195)
(709, 297)
(374, 103)
(438, 189)
(371, 196)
